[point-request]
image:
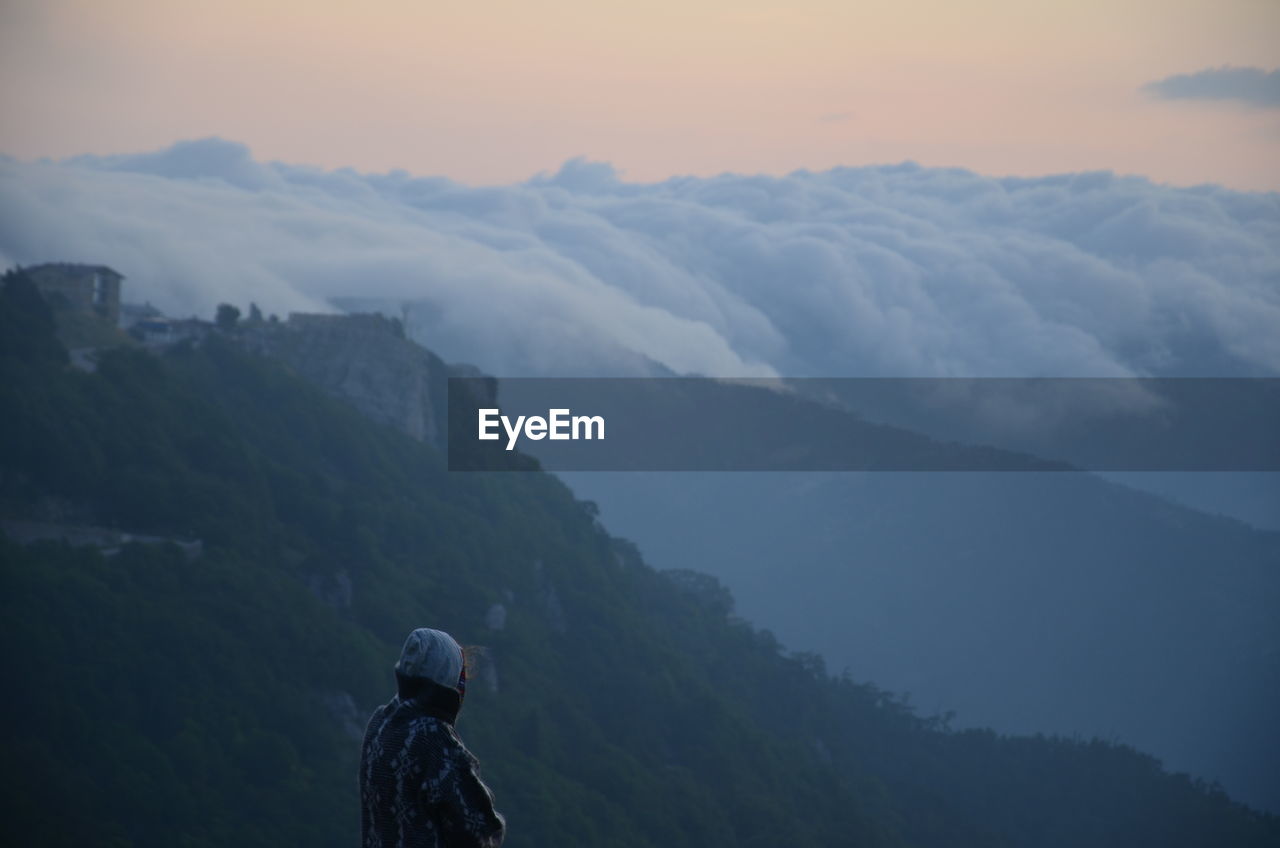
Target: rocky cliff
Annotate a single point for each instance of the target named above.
(366, 360)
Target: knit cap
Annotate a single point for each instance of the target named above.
(432, 654)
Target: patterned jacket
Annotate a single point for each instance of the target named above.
(419, 785)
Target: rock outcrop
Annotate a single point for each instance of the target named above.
(367, 361)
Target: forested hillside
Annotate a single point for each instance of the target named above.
(1027, 602)
(160, 696)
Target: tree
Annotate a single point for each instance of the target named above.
(227, 317)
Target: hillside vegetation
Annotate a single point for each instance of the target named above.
(160, 699)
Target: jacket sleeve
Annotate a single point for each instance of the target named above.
(470, 818)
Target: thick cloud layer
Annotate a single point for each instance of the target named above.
(1251, 86)
(860, 271)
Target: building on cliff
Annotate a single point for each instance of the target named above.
(89, 289)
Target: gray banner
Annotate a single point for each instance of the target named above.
(871, 424)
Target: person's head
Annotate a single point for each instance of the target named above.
(432, 655)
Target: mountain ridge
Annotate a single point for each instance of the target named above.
(644, 713)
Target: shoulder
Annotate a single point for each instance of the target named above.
(376, 720)
(379, 716)
(442, 740)
(427, 731)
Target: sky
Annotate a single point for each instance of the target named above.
(494, 93)
(713, 187)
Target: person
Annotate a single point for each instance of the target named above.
(419, 785)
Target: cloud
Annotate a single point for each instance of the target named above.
(896, 270)
(210, 159)
(1251, 86)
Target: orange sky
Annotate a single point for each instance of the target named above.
(494, 92)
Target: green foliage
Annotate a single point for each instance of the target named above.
(227, 316)
(161, 700)
(27, 331)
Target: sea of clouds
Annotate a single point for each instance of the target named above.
(891, 270)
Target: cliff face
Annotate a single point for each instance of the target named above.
(366, 361)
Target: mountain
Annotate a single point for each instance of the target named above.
(212, 694)
(1024, 601)
(1027, 601)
